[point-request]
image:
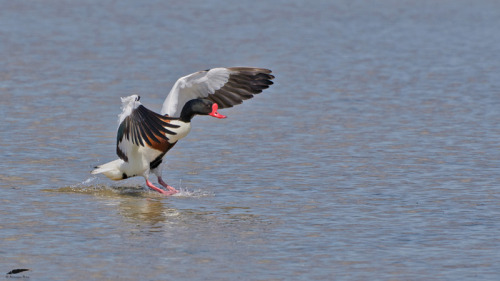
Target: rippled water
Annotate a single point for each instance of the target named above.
(375, 155)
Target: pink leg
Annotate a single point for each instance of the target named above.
(160, 180)
(150, 185)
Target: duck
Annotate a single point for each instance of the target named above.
(144, 137)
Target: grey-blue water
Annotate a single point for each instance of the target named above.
(375, 156)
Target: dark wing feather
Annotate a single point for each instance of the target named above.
(243, 84)
(144, 127)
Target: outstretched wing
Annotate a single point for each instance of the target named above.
(225, 86)
(143, 128)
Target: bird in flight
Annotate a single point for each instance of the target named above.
(144, 137)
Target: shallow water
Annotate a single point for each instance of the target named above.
(374, 156)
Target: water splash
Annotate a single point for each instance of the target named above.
(184, 192)
(89, 180)
(94, 186)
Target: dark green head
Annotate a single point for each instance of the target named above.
(199, 107)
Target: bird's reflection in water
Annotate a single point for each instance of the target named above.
(146, 210)
(133, 203)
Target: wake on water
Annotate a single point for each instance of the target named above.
(93, 185)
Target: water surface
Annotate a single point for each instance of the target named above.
(374, 156)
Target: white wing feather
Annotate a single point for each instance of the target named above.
(196, 85)
(128, 105)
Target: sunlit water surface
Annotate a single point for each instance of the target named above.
(375, 156)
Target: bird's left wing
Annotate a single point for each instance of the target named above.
(143, 128)
(225, 86)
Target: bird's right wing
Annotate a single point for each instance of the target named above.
(143, 128)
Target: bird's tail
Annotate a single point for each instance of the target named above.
(111, 170)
